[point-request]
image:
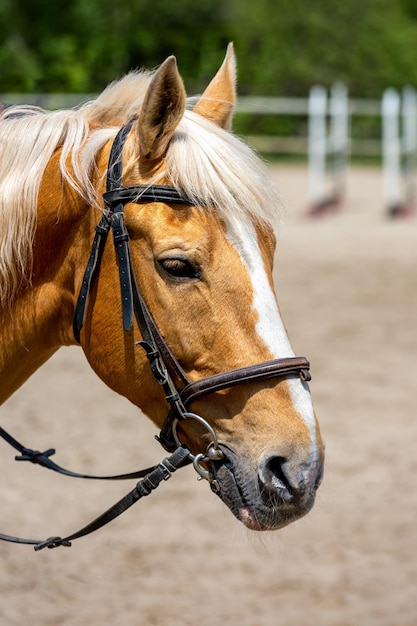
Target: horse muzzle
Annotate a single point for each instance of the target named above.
(264, 495)
(269, 497)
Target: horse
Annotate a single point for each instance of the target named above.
(180, 315)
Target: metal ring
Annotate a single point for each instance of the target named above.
(214, 443)
(213, 452)
(203, 473)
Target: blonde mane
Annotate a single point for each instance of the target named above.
(204, 161)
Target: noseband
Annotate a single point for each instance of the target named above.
(179, 391)
(165, 367)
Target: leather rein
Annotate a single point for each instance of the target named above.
(179, 391)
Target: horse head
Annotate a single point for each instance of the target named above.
(204, 269)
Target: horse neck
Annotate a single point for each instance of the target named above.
(39, 320)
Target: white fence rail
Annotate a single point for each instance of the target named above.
(299, 145)
(279, 106)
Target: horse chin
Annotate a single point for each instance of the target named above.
(239, 489)
(250, 519)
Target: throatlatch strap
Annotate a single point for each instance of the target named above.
(93, 265)
(114, 174)
(115, 197)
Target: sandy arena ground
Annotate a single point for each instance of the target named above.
(347, 286)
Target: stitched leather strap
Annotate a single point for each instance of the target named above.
(43, 459)
(277, 368)
(139, 194)
(115, 164)
(121, 243)
(143, 488)
(115, 198)
(91, 270)
(161, 472)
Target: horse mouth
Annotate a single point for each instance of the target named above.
(257, 509)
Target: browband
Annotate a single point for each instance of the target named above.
(145, 193)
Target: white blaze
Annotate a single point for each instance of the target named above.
(269, 325)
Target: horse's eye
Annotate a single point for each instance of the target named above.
(180, 269)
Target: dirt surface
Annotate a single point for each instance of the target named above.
(347, 286)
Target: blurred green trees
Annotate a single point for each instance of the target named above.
(283, 46)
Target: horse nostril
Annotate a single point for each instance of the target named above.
(273, 477)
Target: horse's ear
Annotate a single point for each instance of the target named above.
(162, 109)
(218, 101)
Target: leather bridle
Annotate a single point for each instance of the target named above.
(179, 391)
